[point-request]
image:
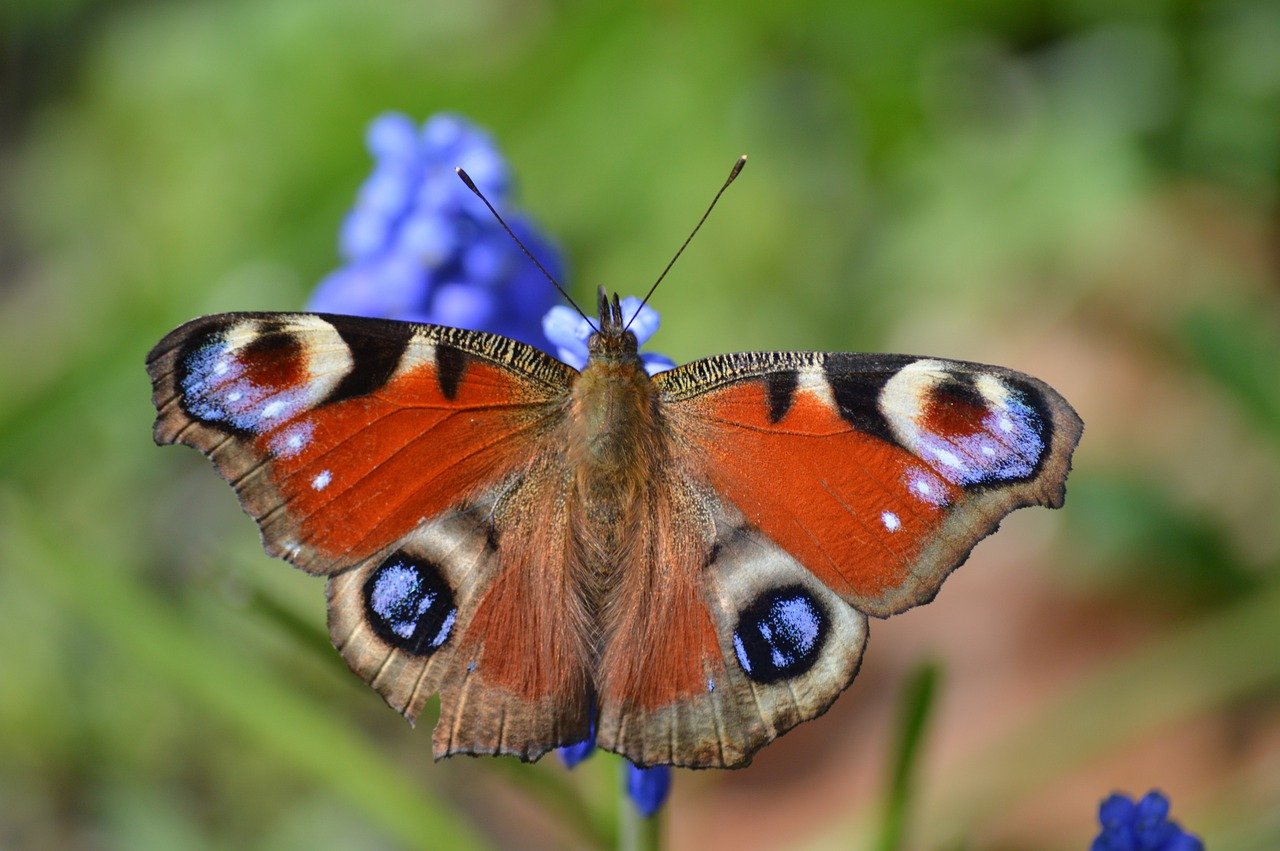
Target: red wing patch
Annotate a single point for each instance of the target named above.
(852, 508)
(339, 434)
(372, 467)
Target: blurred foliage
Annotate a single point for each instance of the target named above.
(1087, 191)
(918, 699)
(1140, 543)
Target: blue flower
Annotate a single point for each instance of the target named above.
(648, 787)
(420, 246)
(573, 754)
(569, 332)
(1143, 826)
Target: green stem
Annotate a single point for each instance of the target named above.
(917, 703)
(635, 831)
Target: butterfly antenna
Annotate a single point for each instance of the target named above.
(733, 173)
(466, 178)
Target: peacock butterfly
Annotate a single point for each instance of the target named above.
(689, 557)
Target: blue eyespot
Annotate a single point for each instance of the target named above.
(780, 635)
(409, 604)
(1007, 445)
(219, 388)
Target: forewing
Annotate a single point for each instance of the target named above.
(877, 473)
(341, 434)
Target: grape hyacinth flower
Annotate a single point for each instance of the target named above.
(1143, 826)
(648, 787)
(575, 753)
(419, 246)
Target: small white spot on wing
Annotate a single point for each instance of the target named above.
(321, 481)
(926, 486)
(290, 547)
(891, 521)
(946, 456)
(291, 440)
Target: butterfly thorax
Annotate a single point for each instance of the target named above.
(613, 419)
(615, 439)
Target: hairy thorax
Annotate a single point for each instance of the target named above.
(616, 450)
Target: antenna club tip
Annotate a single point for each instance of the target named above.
(737, 167)
(466, 178)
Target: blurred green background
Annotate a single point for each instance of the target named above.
(1086, 192)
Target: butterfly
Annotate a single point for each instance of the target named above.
(690, 558)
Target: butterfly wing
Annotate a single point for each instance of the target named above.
(879, 473)
(340, 434)
(685, 679)
(499, 572)
(827, 487)
(404, 461)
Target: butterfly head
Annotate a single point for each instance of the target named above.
(612, 341)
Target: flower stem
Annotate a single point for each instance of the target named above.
(917, 703)
(636, 832)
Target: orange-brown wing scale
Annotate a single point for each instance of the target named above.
(397, 459)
